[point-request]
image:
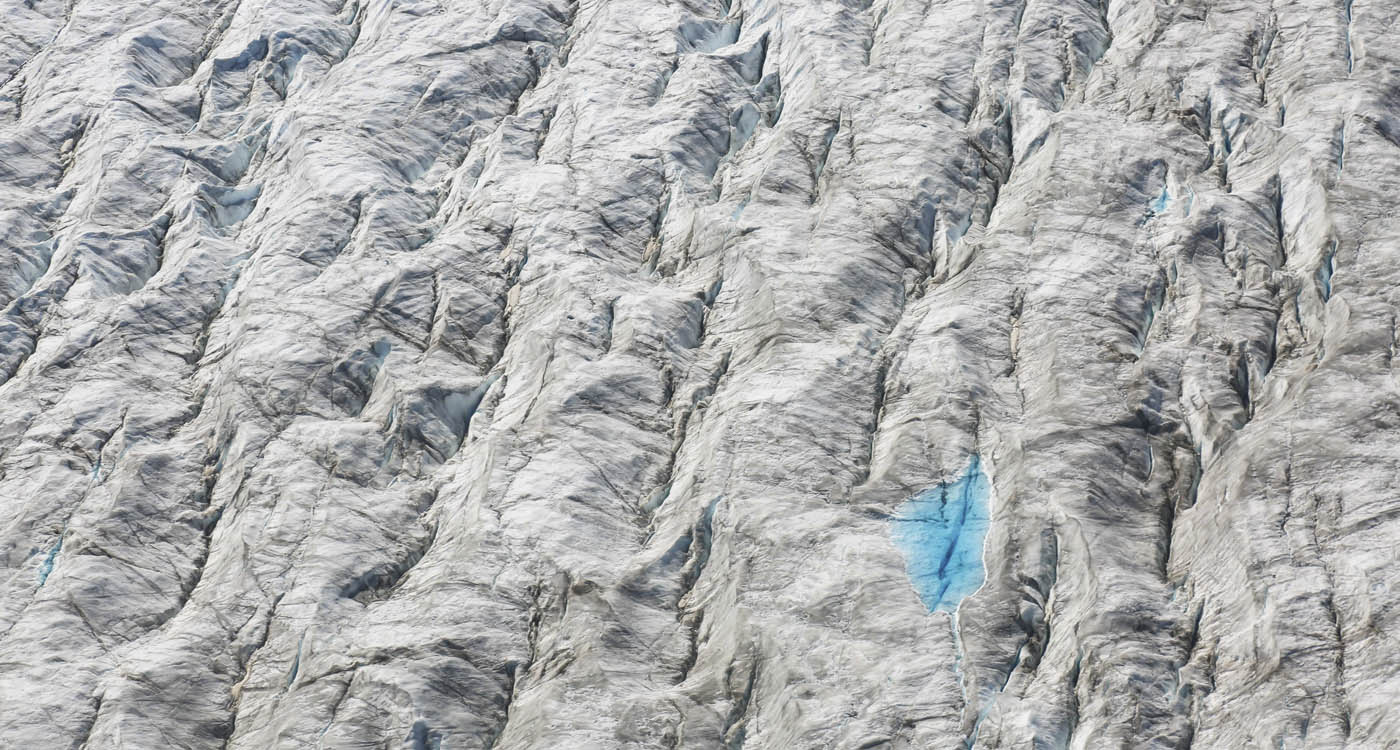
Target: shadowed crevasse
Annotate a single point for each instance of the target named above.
(940, 532)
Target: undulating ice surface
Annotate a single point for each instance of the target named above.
(940, 531)
(594, 374)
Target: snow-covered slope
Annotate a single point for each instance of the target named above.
(673, 374)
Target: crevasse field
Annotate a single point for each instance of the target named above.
(699, 374)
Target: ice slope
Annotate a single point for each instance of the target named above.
(536, 374)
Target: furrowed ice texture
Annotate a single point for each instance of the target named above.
(941, 531)
(536, 374)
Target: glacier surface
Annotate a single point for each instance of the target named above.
(536, 374)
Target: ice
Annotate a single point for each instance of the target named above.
(1159, 204)
(46, 567)
(940, 532)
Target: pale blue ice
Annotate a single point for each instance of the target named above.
(1159, 204)
(46, 566)
(940, 531)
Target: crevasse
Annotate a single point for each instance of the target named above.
(46, 566)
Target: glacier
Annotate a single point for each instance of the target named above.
(692, 374)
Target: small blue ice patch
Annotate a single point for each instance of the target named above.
(1159, 204)
(46, 566)
(940, 531)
